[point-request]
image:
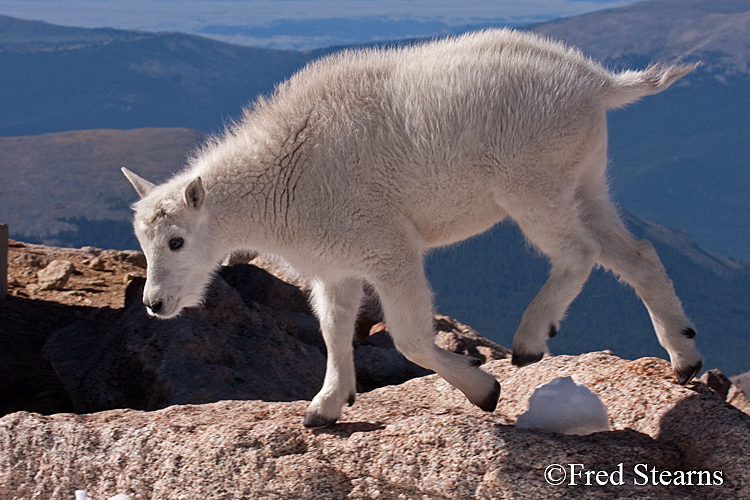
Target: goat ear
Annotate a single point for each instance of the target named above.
(141, 185)
(195, 194)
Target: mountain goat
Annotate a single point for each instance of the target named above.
(365, 159)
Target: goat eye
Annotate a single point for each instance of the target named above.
(176, 243)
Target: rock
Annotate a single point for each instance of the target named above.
(26, 259)
(134, 258)
(254, 338)
(55, 276)
(742, 381)
(91, 250)
(420, 439)
(370, 315)
(737, 398)
(128, 278)
(718, 382)
(81, 495)
(378, 363)
(456, 337)
(97, 264)
(257, 285)
(31, 259)
(726, 389)
(223, 350)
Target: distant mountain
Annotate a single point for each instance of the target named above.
(22, 36)
(304, 34)
(67, 189)
(678, 158)
(54, 79)
(681, 157)
(714, 31)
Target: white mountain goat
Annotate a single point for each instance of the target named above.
(365, 159)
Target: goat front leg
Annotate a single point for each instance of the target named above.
(336, 305)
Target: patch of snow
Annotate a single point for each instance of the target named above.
(566, 406)
(81, 495)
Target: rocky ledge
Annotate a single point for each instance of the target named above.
(226, 387)
(85, 343)
(419, 439)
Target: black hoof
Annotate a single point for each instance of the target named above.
(523, 359)
(352, 398)
(490, 402)
(686, 374)
(318, 421)
(689, 333)
(552, 331)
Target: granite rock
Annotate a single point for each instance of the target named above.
(55, 275)
(420, 439)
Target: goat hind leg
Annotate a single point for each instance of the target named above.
(637, 263)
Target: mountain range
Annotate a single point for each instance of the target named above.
(56, 78)
(66, 188)
(678, 158)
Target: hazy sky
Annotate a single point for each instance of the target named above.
(194, 16)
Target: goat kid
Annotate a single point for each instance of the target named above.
(365, 159)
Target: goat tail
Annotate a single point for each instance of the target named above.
(629, 86)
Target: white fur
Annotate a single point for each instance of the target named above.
(365, 159)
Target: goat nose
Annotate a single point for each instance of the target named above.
(154, 307)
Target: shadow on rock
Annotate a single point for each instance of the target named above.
(254, 337)
(712, 437)
(27, 380)
(226, 349)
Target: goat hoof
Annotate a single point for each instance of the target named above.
(318, 421)
(689, 333)
(522, 359)
(490, 402)
(352, 398)
(686, 374)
